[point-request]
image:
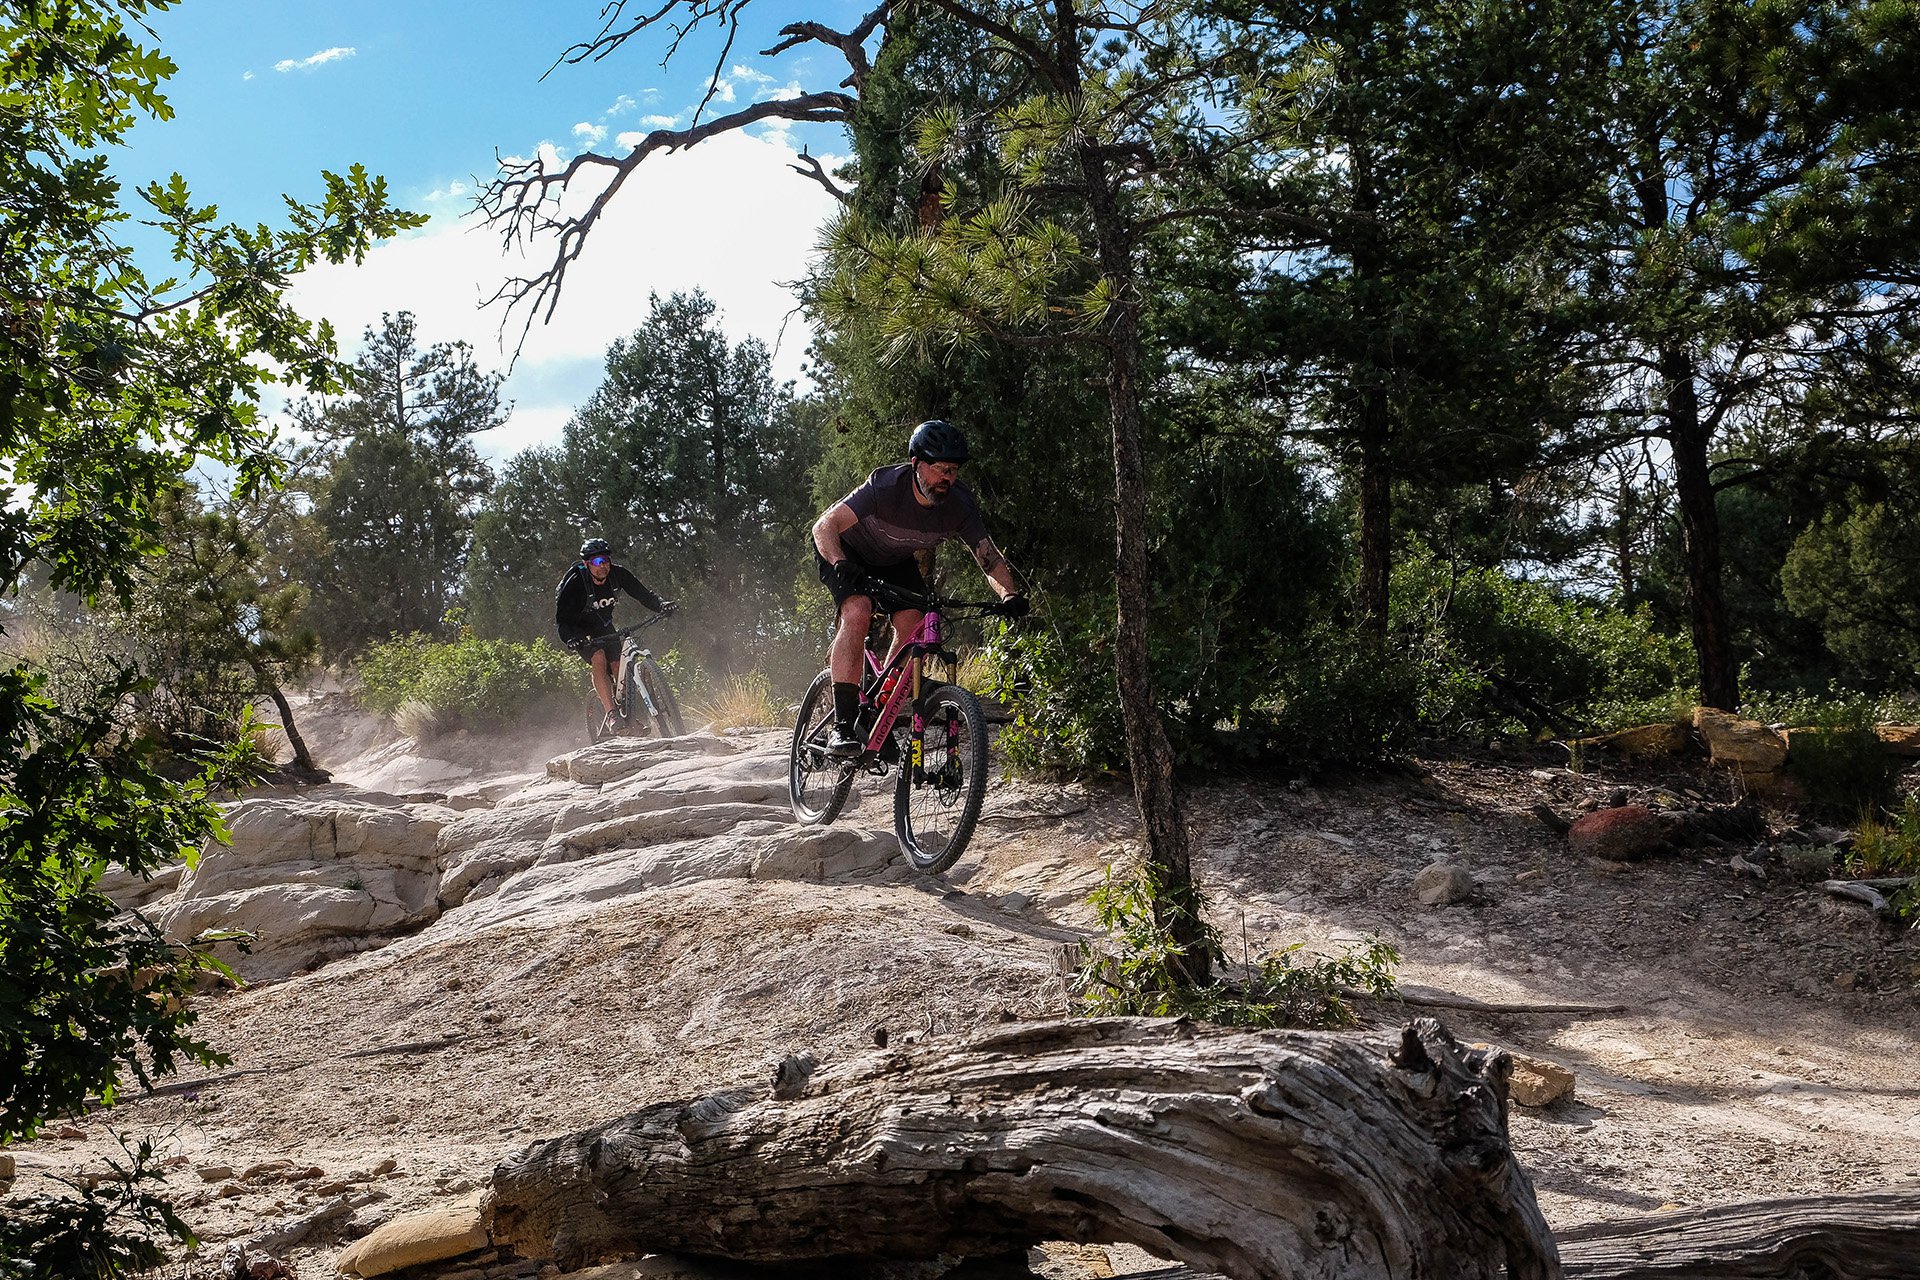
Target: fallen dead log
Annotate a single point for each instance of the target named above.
(1871, 1235)
(1251, 1154)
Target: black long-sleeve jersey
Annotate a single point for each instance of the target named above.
(583, 607)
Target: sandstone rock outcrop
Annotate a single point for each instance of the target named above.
(301, 874)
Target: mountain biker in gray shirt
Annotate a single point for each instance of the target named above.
(887, 530)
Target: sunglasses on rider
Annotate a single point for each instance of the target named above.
(597, 561)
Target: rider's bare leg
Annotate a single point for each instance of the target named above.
(905, 623)
(850, 641)
(603, 679)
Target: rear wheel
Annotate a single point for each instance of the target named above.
(596, 716)
(817, 783)
(666, 711)
(936, 803)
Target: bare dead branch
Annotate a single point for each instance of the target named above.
(524, 202)
(809, 166)
(851, 44)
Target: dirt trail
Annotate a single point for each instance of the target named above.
(1764, 1044)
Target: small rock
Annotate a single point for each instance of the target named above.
(1616, 797)
(1626, 834)
(215, 1172)
(1533, 874)
(1439, 884)
(1537, 1082)
(69, 1132)
(432, 1236)
(231, 1190)
(1846, 982)
(959, 929)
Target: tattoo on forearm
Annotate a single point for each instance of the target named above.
(989, 557)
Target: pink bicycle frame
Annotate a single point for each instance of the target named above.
(928, 634)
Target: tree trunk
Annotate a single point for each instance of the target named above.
(1149, 754)
(1253, 1155)
(1376, 515)
(1863, 1236)
(1699, 534)
(298, 743)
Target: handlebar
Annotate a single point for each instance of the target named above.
(893, 599)
(640, 625)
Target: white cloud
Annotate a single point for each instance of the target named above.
(660, 122)
(589, 133)
(727, 216)
(622, 104)
(319, 59)
(246, 75)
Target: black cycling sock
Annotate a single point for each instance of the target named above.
(846, 704)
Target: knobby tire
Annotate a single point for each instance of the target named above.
(934, 820)
(666, 711)
(817, 784)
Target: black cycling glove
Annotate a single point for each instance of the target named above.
(847, 576)
(1015, 606)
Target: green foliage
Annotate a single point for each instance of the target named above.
(1891, 849)
(1057, 676)
(1138, 973)
(1857, 573)
(210, 623)
(394, 478)
(89, 994)
(106, 1230)
(113, 388)
(1500, 655)
(1815, 706)
(471, 681)
(1841, 761)
(1340, 696)
(692, 462)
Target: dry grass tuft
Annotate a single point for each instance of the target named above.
(741, 702)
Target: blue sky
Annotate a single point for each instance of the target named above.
(425, 92)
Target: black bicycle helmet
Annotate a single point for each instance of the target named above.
(937, 440)
(594, 547)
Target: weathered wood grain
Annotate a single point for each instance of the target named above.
(1296, 1154)
(1872, 1235)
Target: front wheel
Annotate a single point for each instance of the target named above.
(937, 801)
(817, 783)
(666, 712)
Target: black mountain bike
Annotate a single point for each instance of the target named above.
(939, 749)
(640, 692)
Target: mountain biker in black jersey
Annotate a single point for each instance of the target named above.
(887, 530)
(583, 612)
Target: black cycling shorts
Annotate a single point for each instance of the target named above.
(583, 648)
(904, 574)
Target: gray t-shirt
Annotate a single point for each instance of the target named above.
(892, 524)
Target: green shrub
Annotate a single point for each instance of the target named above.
(469, 681)
(1891, 850)
(1841, 761)
(1795, 707)
(1503, 655)
(1137, 975)
(1339, 697)
(1056, 674)
(103, 1231)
